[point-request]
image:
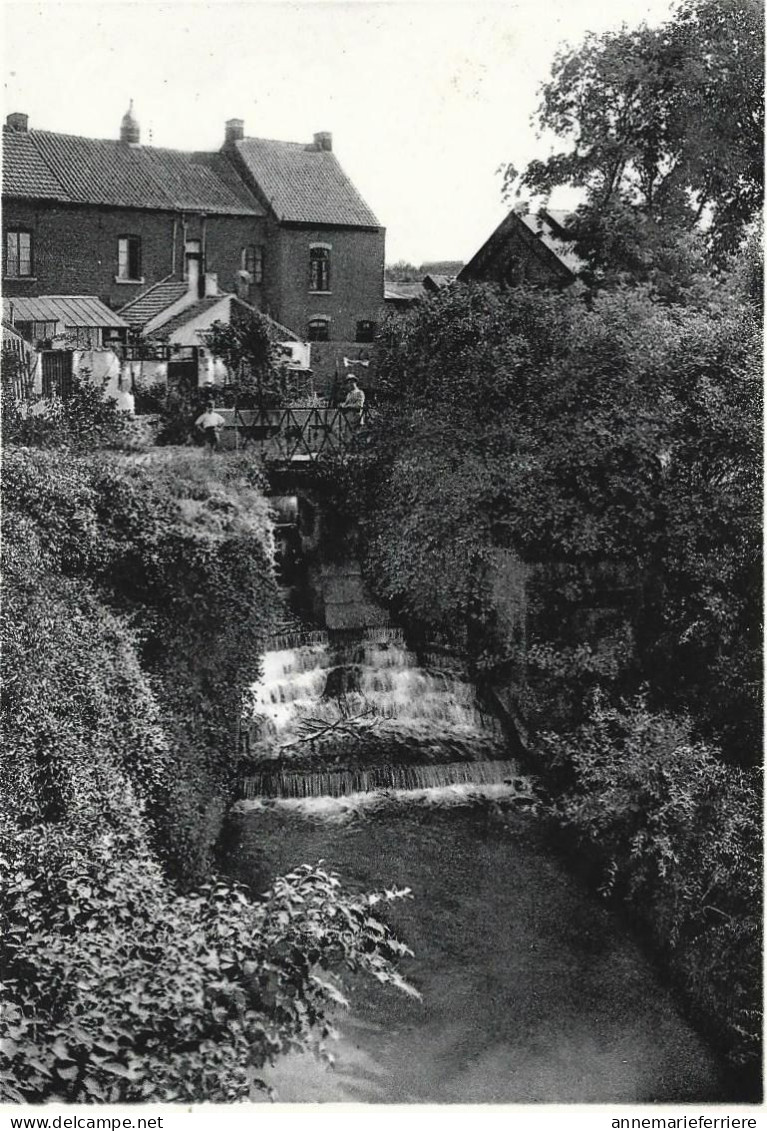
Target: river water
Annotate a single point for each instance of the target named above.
(531, 990)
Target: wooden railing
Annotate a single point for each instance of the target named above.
(293, 435)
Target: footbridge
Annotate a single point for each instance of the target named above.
(293, 436)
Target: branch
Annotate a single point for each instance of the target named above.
(339, 725)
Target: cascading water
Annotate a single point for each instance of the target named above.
(333, 720)
(392, 773)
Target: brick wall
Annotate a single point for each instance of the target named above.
(356, 278)
(329, 371)
(75, 248)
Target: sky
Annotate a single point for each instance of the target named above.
(425, 100)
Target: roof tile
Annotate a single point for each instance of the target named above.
(188, 314)
(92, 171)
(304, 184)
(25, 173)
(151, 302)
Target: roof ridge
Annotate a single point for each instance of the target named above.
(117, 142)
(307, 145)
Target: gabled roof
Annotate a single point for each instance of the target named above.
(303, 184)
(434, 282)
(152, 301)
(545, 235)
(71, 310)
(550, 226)
(40, 164)
(188, 314)
(277, 331)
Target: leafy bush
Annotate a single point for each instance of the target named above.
(118, 990)
(580, 431)
(84, 419)
(674, 833)
(137, 593)
(182, 549)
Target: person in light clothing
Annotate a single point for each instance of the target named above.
(355, 398)
(209, 424)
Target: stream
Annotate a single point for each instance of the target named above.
(532, 991)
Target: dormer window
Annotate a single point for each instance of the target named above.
(319, 267)
(129, 259)
(18, 254)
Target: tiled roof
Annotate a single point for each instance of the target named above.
(91, 171)
(437, 282)
(151, 302)
(550, 227)
(277, 331)
(186, 315)
(403, 292)
(71, 310)
(24, 171)
(304, 184)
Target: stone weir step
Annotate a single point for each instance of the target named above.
(341, 783)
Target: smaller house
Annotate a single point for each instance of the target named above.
(169, 326)
(526, 247)
(69, 334)
(400, 296)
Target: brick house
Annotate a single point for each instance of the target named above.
(277, 223)
(526, 247)
(110, 218)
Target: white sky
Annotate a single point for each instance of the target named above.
(424, 100)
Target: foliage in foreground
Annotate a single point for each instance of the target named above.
(675, 834)
(137, 594)
(83, 420)
(165, 563)
(117, 989)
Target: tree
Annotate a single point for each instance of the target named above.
(575, 433)
(668, 121)
(247, 348)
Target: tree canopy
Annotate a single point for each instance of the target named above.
(668, 121)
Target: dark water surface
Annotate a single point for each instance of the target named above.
(532, 991)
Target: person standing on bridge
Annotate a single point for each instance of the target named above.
(355, 398)
(209, 424)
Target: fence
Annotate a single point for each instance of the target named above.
(293, 434)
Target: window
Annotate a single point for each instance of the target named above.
(129, 257)
(253, 263)
(366, 331)
(83, 337)
(319, 329)
(35, 332)
(319, 267)
(18, 254)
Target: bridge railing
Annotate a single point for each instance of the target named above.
(292, 434)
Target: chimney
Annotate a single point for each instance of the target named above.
(18, 122)
(130, 133)
(234, 130)
(324, 141)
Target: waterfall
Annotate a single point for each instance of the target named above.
(337, 716)
(342, 783)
